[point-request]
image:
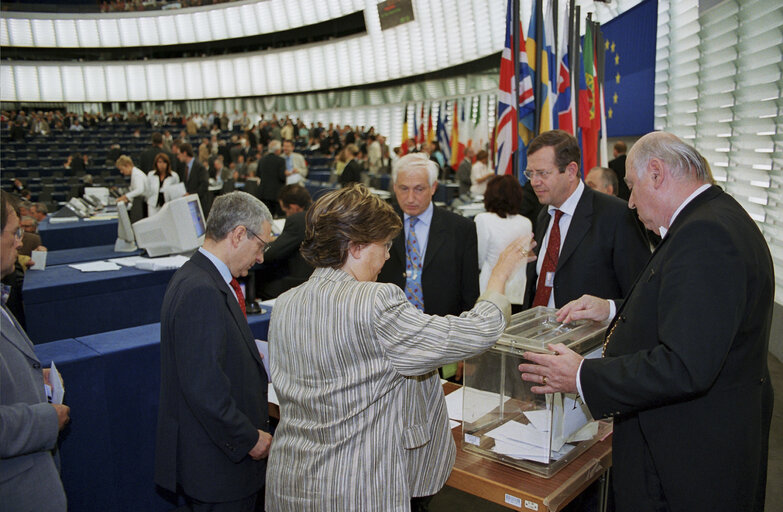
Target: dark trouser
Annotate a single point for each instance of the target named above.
(253, 503)
(420, 504)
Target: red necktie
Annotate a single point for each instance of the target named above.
(550, 263)
(240, 295)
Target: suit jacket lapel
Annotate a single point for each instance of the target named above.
(697, 201)
(580, 225)
(232, 303)
(13, 332)
(435, 239)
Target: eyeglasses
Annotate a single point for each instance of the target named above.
(538, 174)
(264, 246)
(388, 245)
(19, 233)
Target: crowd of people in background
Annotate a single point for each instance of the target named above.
(231, 145)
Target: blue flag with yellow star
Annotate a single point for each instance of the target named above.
(629, 79)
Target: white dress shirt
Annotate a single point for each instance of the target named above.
(568, 208)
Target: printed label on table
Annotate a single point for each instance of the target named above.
(532, 505)
(513, 501)
(471, 439)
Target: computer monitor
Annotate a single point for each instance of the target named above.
(126, 242)
(102, 193)
(178, 227)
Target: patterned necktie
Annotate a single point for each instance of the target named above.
(413, 263)
(240, 295)
(550, 263)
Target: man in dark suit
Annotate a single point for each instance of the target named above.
(598, 247)
(271, 172)
(290, 268)
(618, 166)
(352, 172)
(434, 259)
(213, 426)
(449, 272)
(194, 175)
(684, 373)
(29, 426)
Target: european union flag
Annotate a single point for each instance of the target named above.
(629, 76)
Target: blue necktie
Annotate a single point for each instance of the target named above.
(413, 263)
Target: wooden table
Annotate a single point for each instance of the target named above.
(519, 490)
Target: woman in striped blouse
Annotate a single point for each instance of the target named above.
(363, 422)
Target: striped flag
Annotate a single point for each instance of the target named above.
(443, 136)
(404, 144)
(456, 151)
(564, 106)
(506, 138)
(527, 103)
(421, 134)
(430, 129)
(589, 104)
(548, 72)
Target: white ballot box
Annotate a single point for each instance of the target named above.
(505, 421)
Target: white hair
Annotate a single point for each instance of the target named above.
(416, 162)
(683, 159)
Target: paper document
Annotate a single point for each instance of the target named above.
(454, 404)
(128, 261)
(39, 260)
(270, 303)
(165, 263)
(454, 424)
(58, 391)
(96, 266)
(263, 349)
(479, 403)
(271, 395)
(62, 220)
(277, 226)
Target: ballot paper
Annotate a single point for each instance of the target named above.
(55, 390)
(165, 263)
(271, 395)
(39, 260)
(263, 349)
(478, 403)
(520, 441)
(96, 266)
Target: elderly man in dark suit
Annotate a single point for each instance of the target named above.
(213, 425)
(29, 426)
(684, 372)
(194, 175)
(587, 242)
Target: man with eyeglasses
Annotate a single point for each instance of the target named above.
(213, 425)
(29, 425)
(587, 242)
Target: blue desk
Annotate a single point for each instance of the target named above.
(83, 254)
(62, 302)
(80, 233)
(112, 384)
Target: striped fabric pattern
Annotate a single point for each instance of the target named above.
(363, 419)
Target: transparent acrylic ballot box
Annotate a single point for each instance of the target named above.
(505, 421)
